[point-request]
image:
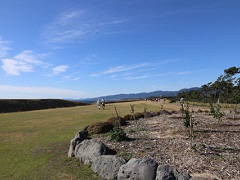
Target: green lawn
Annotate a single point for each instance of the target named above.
(34, 144)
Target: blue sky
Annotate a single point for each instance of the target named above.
(79, 49)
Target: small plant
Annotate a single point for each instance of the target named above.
(218, 113)
(132, 111)
(188, 122)
(117, 134)
(145, 111)
(186, 115)
(212, 110)
(126, 155)
(235, 111)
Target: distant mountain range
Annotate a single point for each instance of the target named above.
(142, 95)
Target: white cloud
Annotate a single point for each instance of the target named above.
(59, 69)
(4, 48)
(28, 56)
(14, 67)
(120, 69)
(38, 92)
(22, 62)
(75, 26)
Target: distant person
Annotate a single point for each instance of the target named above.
(103, 103)
(98, 104)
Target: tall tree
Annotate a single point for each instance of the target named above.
(230, 79)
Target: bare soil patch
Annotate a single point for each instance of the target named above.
(215, 153)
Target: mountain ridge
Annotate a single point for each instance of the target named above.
(142, 95)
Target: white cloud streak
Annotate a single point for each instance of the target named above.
(59, 69)
(22, 63)
(120, 69)
(4, 47)
(75, 26)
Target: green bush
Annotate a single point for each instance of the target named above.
(99, 127)
(117, 134)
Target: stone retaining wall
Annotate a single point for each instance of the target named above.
(108, 165)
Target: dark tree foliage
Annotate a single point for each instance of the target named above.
(226, 89)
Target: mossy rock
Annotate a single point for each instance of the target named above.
(114, 121)
(99, 127)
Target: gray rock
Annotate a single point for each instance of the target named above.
(138, 169)
(88, 150)
(107, 166)
(79, 137)
(166, 172)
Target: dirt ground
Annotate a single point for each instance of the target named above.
(214, 153)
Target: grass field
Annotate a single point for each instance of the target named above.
(34, 144)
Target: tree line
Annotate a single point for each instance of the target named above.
(226, 89)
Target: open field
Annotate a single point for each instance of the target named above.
(34, 144)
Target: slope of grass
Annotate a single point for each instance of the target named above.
(34, 144)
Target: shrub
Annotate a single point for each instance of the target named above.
(128, 117)
(139, 115)
(165, 112)
(117, 134)
(218, 113)
(151, 114)
(99, 127)
(114, 121)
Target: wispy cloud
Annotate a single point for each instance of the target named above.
(4, 47)
(147, 76)
(90, 60)
(22, 62)
(59, 69)
(75, 26)
(40, 92)
(120, 69)
(72, 77)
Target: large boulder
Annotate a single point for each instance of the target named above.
(107, 166)
(140, 169)
(166, 172)
(88, 150)
(79, 137)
